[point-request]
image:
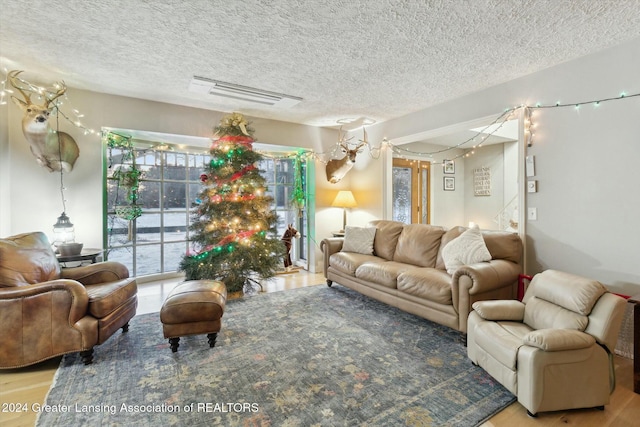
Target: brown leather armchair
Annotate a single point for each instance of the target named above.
(47, 311)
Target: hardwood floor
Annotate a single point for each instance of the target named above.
(30, 385)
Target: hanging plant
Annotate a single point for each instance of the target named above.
(298, 197)
(121, 142)
(130, 180)
(128, 212)
(127, 177)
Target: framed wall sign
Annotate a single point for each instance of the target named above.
(482, 181)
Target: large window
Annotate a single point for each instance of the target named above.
(156, 241)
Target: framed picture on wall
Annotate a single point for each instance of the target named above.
(449, 166)
(449, 183)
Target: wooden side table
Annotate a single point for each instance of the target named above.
(635, 300)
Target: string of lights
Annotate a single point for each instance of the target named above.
(46, 93)
(502, 118)
(373, 150)
(595, 103)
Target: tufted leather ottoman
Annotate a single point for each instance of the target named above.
(192, 308)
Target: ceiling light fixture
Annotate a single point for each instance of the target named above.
(207, 86)
(355, 123)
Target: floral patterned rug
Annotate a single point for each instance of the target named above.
(313, 356)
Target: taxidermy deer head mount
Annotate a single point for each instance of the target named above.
(53, 150)
(338, 168)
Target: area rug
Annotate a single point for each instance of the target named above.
(313, 356)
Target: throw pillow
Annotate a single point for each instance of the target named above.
(467, 248)
(359, 239)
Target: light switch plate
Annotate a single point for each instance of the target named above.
(530, 165)
(532, 214)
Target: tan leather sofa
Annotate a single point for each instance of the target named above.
(47, 311)
(554, 349)
(407, 270)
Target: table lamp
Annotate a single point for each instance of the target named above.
(344, 200)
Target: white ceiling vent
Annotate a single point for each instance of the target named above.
(229, 90)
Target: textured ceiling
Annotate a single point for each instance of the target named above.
(378, 59)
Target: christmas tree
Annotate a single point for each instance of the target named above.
(234, 226)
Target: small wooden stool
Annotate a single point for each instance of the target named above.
(192, 308)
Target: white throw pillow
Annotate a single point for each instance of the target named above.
(467, 248)
(359, 239)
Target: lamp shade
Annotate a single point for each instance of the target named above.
(344, 199)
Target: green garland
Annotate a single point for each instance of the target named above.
(298, 197)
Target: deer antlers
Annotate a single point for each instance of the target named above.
(13, 79)
(49, 96)
(344, 143)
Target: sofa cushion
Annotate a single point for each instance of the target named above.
(359, 240)
(541, 314)
(427, 283)
(503, 245)
(468, 248)
(105, 298)
(572, 292)
(501, 340)
(387, 234)
(348, 262)
(382, 273)
(448, 236)
(418, 245)
(27, 259)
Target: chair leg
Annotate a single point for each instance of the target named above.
(174, 344)
(329, 282)
(125, 328)
(531, 415)
(212, 339)
(87, 356)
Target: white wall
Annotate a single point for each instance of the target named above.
(588, 200)
(586, 162)
(482, 209)
(30, 196)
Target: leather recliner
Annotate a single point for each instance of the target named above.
(554, 349)
(47, 311)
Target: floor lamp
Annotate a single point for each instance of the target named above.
(344, 200)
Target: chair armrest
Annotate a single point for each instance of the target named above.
(558, 339)
(92, 274)
(330, 246)
(76, 301)
(496, 310)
